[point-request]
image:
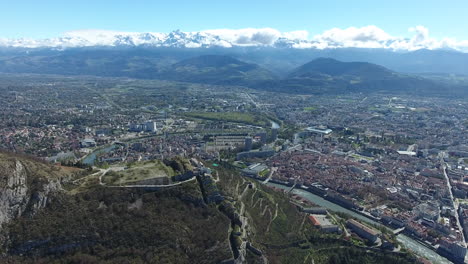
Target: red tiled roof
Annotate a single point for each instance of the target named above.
(314, 220)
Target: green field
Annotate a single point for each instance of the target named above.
(310, 108)
(139, 171)
(264, 173)
(236, 117)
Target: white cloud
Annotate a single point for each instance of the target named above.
(360, 37)
(305, 45)
(255, 36)
(364, 37)
(296, 35)
(454, 44)
(247, 36)
(421, 34)
(374, 37)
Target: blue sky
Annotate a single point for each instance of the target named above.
(50, 18)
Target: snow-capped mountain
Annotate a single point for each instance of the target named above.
(91, 38)
(364, 37)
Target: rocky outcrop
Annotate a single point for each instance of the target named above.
(13, 195)
(22, 190)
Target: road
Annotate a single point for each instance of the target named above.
(454, 202)
(243, 246)
(273, 170)
(152, 185)
(347, 234)
(103, 172)
(252, 100)
(411, 147)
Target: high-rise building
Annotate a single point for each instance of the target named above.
(262, 136)
(274, 134)
(459, 251)
(151, 126)
(248, 144)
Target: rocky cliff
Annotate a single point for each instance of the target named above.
(24, 186)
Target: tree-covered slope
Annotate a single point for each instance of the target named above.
(216, 69)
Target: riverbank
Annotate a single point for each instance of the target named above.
(417, 246)
(90, 159)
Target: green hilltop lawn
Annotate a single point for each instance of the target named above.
(139, 171)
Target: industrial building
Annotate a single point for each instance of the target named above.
(452, 250)
(363, 231)
(87, 143)
(264, 153)
(319, 131)
(149, 126)
(322, 222)
(315, 210)
(229, 141)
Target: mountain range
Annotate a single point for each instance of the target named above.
(281, 69)
(250, 68)
(326, 75)
(364, 37)
(279, 60)
(216, 69)
(177, 38)
(206, 39)
(322, 75)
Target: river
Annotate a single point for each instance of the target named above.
(91, 158)
(274, 124)
(408, 242)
